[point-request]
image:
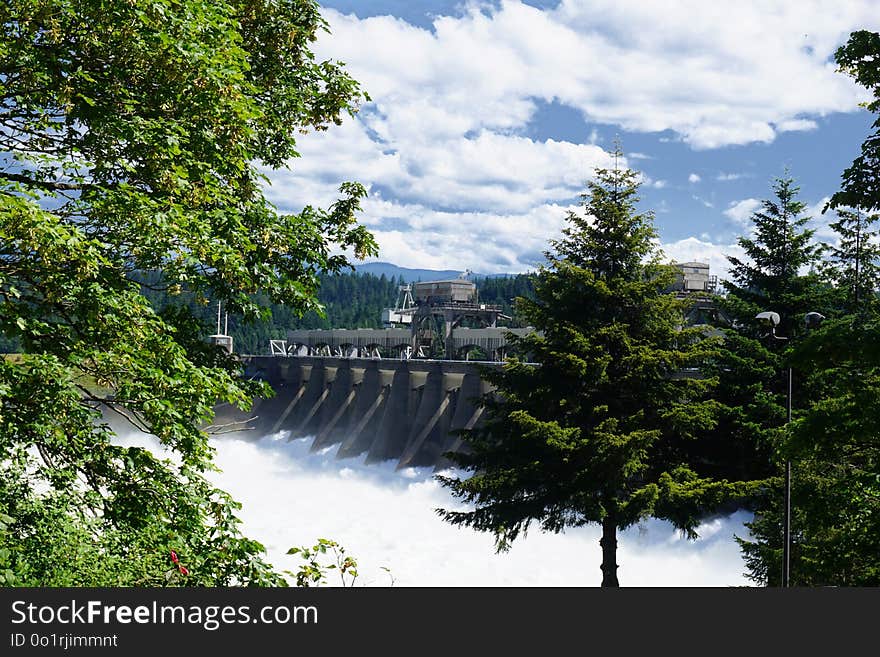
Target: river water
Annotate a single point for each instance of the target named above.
(386, 519)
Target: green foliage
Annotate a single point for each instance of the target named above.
(860, 182)
(854, 270)
(833, 445)
(314, 572)
(781, 274)
(771, 278)
(603, 431)
(832, 441)
(133, 133)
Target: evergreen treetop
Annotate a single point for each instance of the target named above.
(779, 272)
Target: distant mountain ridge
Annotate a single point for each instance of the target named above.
(413, 275)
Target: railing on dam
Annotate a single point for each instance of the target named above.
(405, 410)
(493, 343)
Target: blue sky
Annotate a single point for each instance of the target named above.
(488, 117)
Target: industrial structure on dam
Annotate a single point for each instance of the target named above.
(397, 393)
(435, 319)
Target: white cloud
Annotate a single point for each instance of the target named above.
(820, 222)
(490, 171)
(412, 235)
(741, 211)
(727, 177)
(713, 77)
(792, 125)
(444, 149)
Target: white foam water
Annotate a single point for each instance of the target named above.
(387, 519)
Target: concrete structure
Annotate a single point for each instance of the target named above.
(372, 393)
(401, 410)
(458, 290)
(695, 277)
(697, 284)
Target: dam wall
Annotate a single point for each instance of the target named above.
(404, 410)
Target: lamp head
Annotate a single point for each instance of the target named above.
(812, 320)
(769, 316)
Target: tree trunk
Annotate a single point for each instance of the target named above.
(609, 552)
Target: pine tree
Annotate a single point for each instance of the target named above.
(835, 442)
(601, 430)
(781, 275)
(854, 268)
(772, 278)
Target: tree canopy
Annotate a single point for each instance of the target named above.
(860, 182)
(133, 136)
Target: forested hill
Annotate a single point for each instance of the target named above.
(354, 300)
(351, 301)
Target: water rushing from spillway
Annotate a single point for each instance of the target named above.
(386, 518)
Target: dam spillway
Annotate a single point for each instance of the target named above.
(405, 410)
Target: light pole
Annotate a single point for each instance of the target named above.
(811, 321)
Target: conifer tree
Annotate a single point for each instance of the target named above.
(602, 429)
(781, 274)
(854, 268)
(771, 278)
(834, 442)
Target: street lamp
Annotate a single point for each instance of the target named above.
(811, 321)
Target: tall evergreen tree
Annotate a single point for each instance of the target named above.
(854, 268)
(600, 431)
(780, 274)
(835, 443)
(771, 278)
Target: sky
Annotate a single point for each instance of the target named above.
(487, 118)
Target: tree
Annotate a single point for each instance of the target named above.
(133, 135)
(778, 250)
(860, 184)
(834, 443)
(854, 269)
(780, 274)
(601, 430)
(834, 440)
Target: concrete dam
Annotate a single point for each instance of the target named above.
(380, 409)
(401, 392)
